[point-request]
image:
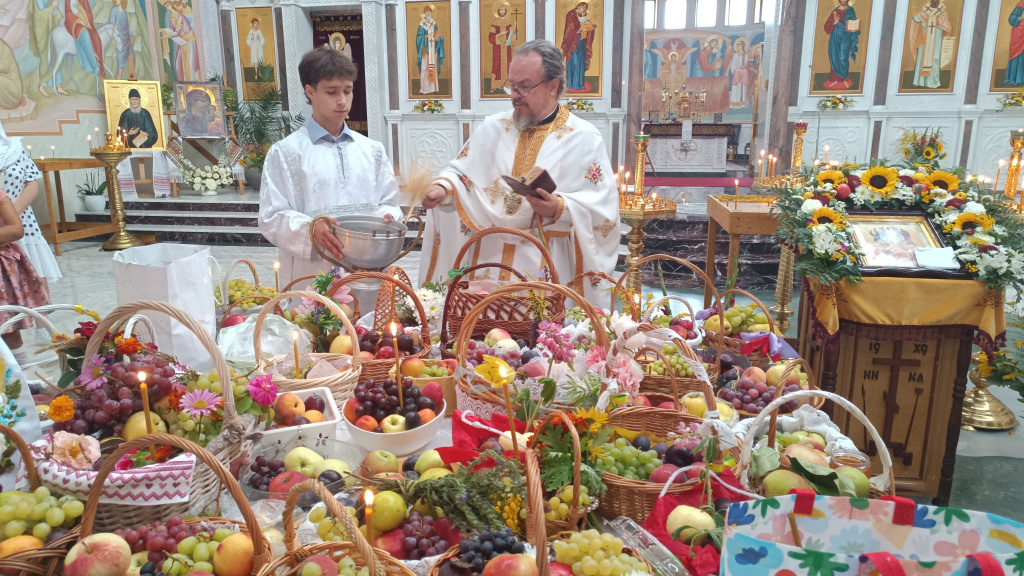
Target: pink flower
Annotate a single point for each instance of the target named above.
(92, 376)
(126, 462)
(596, 357)
(629, 381)
(967, 544)
(262, 390)
(76, 451)
(853, 180)
(907, 181)
(200, 403)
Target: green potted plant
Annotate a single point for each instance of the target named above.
(94, 192)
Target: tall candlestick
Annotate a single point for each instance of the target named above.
(398, 363)
(277, 278)
(640, 141)
(826, 153)
(760, 169)
(368, 516)
(145, 411)
(295, 347)
(998, 170)
(736, 183)
(508, 410)
(53, 152)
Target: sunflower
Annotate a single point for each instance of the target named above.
(826, 215)
(939, 147)
(928, 153)
(597, 417)
(943, 179)
(968, 221)
(880, 179)
(833, 177)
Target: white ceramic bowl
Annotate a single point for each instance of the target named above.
(398, 443)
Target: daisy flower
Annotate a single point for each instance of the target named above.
(92, 376)
(199, 403)
(262, 390)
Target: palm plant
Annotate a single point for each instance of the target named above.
(260, 122)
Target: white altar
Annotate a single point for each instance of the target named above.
(703, 150)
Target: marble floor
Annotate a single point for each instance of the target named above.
(984, 459)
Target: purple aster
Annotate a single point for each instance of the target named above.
(92, 376)
(200, 403)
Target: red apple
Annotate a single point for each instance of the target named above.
(99, 555)
(694, 474)
(756, 374)
(350, 410)
(450, 364)
(843, 191)
(667, 405)
(559, 569)
(511, 565)
(361, 330)
(391, 542)
(381, 462)
(284, 481)
(433, 391)
(232, 320)
(641, 401)
(533, 370)
(366, 423)
(385, 353)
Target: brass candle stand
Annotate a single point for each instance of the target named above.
(799, 129)
(1013, 170)
(982, 409)
(111, 154)
(637, 209)
(784, 289)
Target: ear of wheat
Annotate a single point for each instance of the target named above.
(414, 188)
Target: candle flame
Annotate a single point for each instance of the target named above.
(504, 371)
(277, 265)
(394, 329)
(368, 497)
(295, 336)
(1001, 163)
(826, 148)
(737, 182)
(142, 377)
(762, 152)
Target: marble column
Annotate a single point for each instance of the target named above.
(539, 15)
(885, 49)
(391, 26)
(779, 137)
(466, 76)
(634, 79)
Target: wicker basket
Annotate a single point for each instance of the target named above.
(577, 517)
(791, 366)
(736, 344)
(225, 308)
(340, 384)
(881, 485)
(512, 312)
(384, 313)
(489, 398)
(262, 552)
(663, 384)
(45, 561)
(380, 562)
(593, 277)
(228, 445)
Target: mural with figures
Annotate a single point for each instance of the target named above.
(724, 65)
(179, 41)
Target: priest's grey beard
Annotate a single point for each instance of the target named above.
(524, 120)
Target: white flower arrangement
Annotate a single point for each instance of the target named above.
(433, 305)
(208, 178)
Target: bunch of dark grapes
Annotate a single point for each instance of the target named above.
(476, 351)
(421, 539)
(156, 537)
(380, 400)
(476, 552)
(107, 408)
(263, 471)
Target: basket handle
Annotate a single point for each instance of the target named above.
(390, 278)
(129, 310)
(261, 360)
(577, 458)
(466, 330)
(758, 303)
(37, 315)
(654, 306)
(261, 553)
(595, 277)
(536, 530)
(743, 463)
(366, 551)
(227, 278)
(288, 287)
(668, 368)
(812, 383)
(479, 236)
(416, 240)
(129, 327)
(654, 257)
(453, 286)
(26, 454)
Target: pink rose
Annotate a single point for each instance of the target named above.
(76, 451)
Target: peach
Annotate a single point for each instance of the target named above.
(234, 556)
(366, 423)
(426, 415)
(314, 415)
(287, 407)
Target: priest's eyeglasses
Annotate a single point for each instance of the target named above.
(519, 90)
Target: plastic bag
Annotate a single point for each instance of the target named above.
(235, 342)
(804, 418)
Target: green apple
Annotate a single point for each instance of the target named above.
(389, 511)
(303, 460)
(860, 481)
(393, 423)
(331, 464)
(138, 559)
(428, 460)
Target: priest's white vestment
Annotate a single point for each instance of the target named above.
(584, 234)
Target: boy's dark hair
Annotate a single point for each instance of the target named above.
(325, 63)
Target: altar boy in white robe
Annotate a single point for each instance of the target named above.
(323, 165)
(580, 219)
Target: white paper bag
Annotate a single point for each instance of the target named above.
(176, 274)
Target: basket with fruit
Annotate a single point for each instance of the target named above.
(773, 473)
(172, 546)
(484, 395)
(110, 404)
(237, 297)
(656, 379)
(663, 413)
(354, 558)
(423, 373)
(682, 323)
(39, 529)
(513, 312)
(724, 326)
(563, 513)
(317, 369)
(756, 388)
(69, 348)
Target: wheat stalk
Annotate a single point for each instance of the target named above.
(415, 186)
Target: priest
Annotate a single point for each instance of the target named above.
(579, 221)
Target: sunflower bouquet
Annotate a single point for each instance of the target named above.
(922, 151)
(814, 218)
(429, 107)
(1015, 100)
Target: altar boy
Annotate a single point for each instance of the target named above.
(320, 166)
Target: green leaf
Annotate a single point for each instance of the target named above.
(550, 388)
(67, 379)
(763, 461)
(846, 486)
(75, 364)
(255, 410)
(243, 404)
(821, 478)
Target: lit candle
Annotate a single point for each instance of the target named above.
(277, 276)
(998, 171)
(736, 183)
(771, 161)
(368, 516)
(626, 187)
(145, 411)
(760, 169)
(398, 363)
(88, 141)
(816, 162)
(826, 153)
(295, 347)
(508, 410)
(53, 152)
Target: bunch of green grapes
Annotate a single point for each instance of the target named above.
(433, 371)
(576, 314)
(239, 289)
(346, 567)
(665, 320)
(329, 529)
(562, 500)
(37, 513)
(675, 361)
(743, 317)
(195, 553)
(201, 431)
(591, 553)
(622, 459)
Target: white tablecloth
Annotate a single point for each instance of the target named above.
(160, 173)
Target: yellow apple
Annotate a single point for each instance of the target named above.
(342, 344)
(234, 556)
(136, 426)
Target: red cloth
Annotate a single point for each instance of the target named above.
(77, 23)
(468, 437)
(706, 559)
(1017, 36)
(571, 36)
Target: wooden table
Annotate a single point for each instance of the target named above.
(60, 230)
(750, 215)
